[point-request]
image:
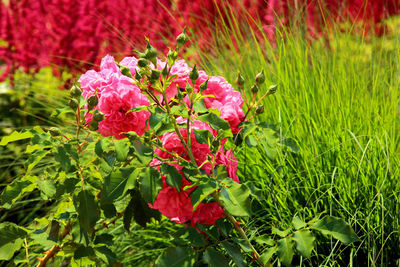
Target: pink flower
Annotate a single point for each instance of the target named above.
(178, 205)
(117, 95)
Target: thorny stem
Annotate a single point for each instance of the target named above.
(55, 249)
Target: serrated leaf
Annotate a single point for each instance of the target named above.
(9, 232)
(199, 107)
(265, 240)
(291, 144)
(54, 230)
(172, 176)
(105, 254)
(234, 252)
(236, 199)
(285, 250)
(243, 244)
(298, 223)
(195, 238)
(108, 209)
(104, 239)
(176, 257)
(48, 187)
(267, 254)
(337, 228)
(7, 250)
(203, 136)
(279, 232)
(150, 184)
(88, 211)
(34, 159)
(216, 122)
(83, 251)
(15, 190)
(202, 192)
(142, 213)
(121, 149)
(304, 242)
(128, 215)
(99, 148)
(15, 136)
(61, 156)
(117, 183)
(214, 258)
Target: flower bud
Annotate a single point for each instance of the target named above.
(260, 78)
(179, 94)
(203, 86)
(142, 63)
(181, 39)
(240, 80)
(94, 125)
(98, 116)
(75, 91)
(73, 103)
(260, 109)
(92, 101)
(125, 71)
(164, 72)
(137, 76)
(155, 75)
(272, 89)
(215, 146)
(54, 131)
(194, 74)
(172, 55)
(151, 52)
(254, 89)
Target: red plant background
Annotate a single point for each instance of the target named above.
(73, 35)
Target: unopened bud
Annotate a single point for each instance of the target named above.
(54, 131)
(194, 74)
(179, 94)
(92, 101)
(272, 89)
(260, 78)
(155, 75)
(181, 39)
(98, 116)
(164, 72)
(73, 103)
(125, 71)
(260, 109)
(75, 91)
(172, 55)
(151, 52)
(137, 76)
(240, 80)
(203, 86)
(142, 63)
(254, 89)
(94, 125)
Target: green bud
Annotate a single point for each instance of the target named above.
(75, 91)
(260, 109)
(215, 146)
(94, 125)
(54, 131)
(142, 63)
(155, 75)
(240, 80)
(179, 94)
(181, 39)
(260, 78)
(125, 71)
(194, 74)
(254, 89)
(203, 86)
(272, 89)
(164, 72)
(92, 101)
(98, 116)
(73, 103)
(151, 52)
(172, 55)
(137, 76)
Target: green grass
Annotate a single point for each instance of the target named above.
(340, 100)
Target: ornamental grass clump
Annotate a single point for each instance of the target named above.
(153, 137)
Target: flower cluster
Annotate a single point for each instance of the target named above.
(118, 93)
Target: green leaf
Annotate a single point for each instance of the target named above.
(128, 215)
(214, 258)
(265, 240)
(108, 209)
(105, 254)
(15, 136)
(191, 235)
(243, 244)
(216, 122)
(9, 232)
(203, 136)
(142, 213)
(304, 242)
(199, 107)
(99, 148)
(54, 230)
(234, 252)
(88, 211)
(34, 159)
(83, 251)
(16, 189)
(121, 149)
(61, 156)
(291, 144)
(279, 232)
(176, 257)
(150, 184)
(202, 192)
(236, 199)
(298, 223)
(267, 254)
(117, 183)
(251, 141)
(337, 228)
(104, 239)
(48, 187)
(285, 250)
(173, 177)
(7, 250)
